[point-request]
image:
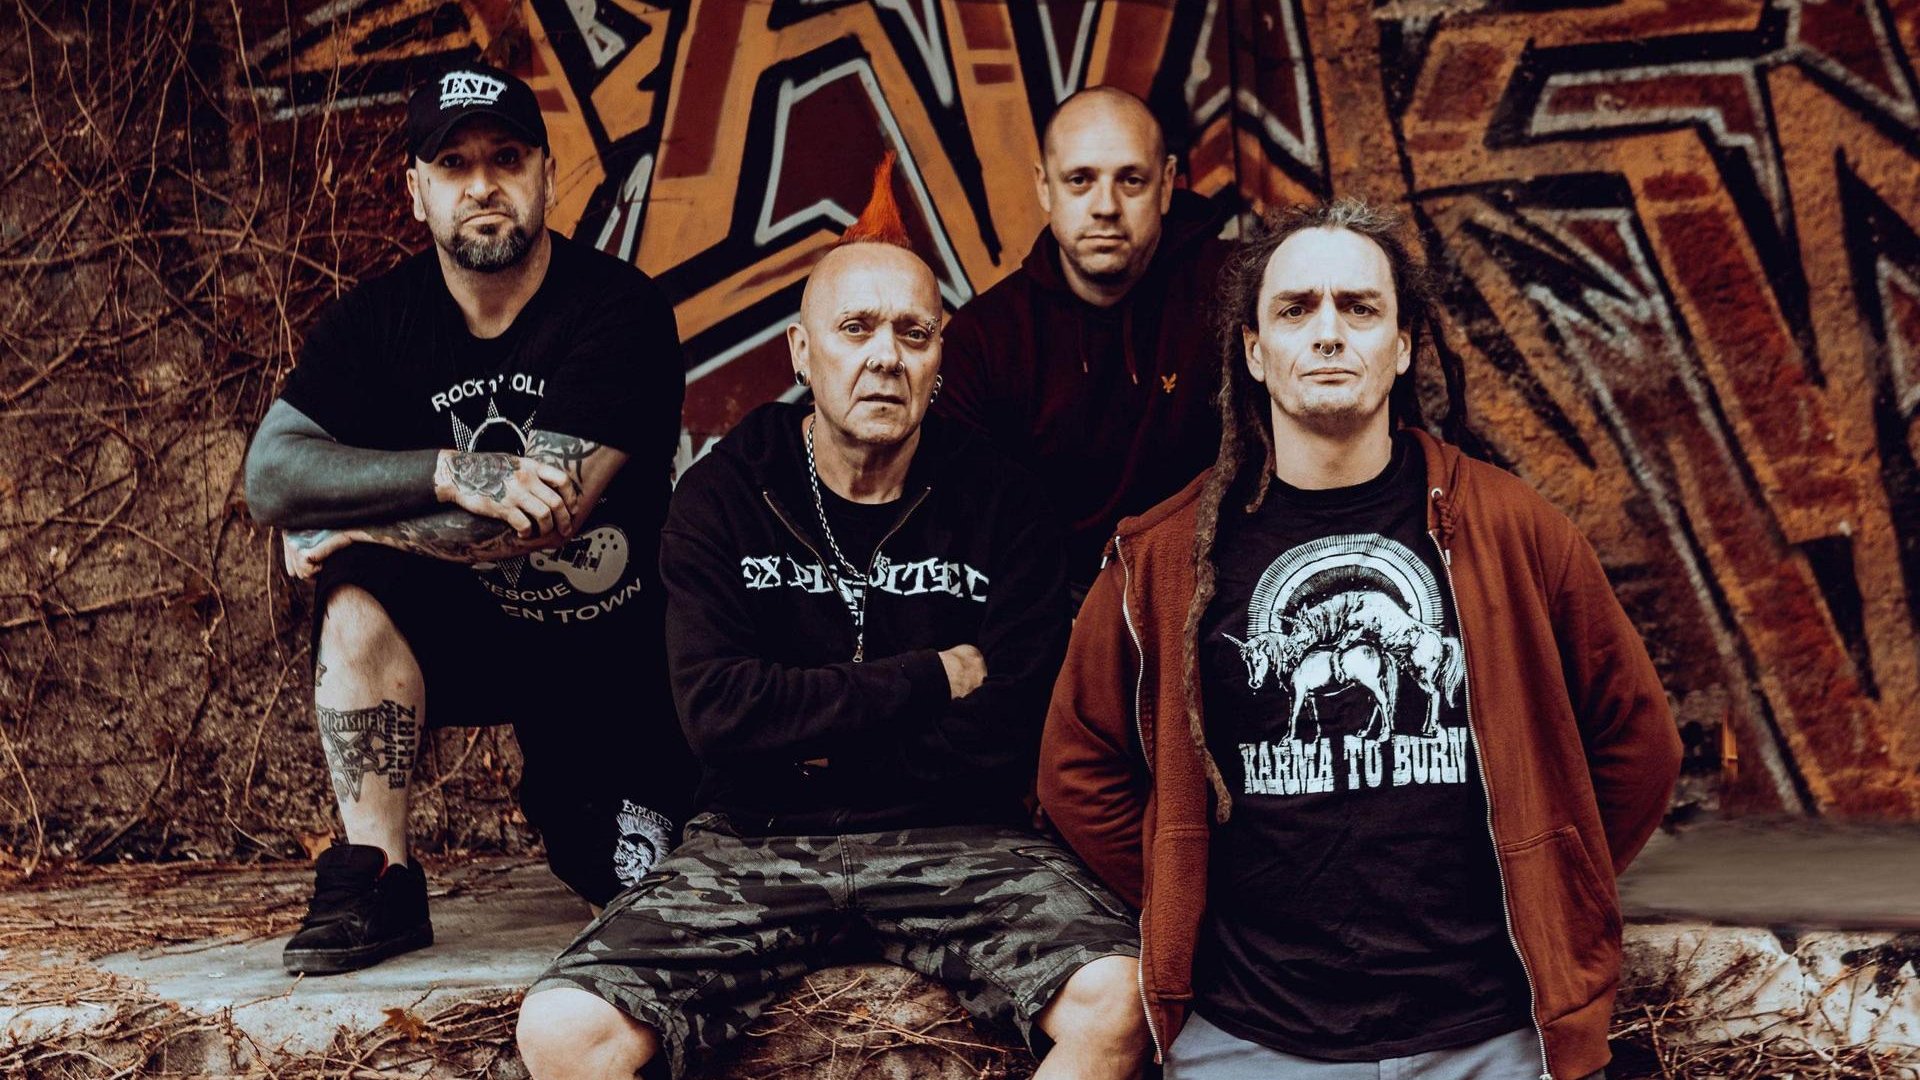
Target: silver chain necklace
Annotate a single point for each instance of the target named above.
(846, 569)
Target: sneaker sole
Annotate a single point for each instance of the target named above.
(340, 961)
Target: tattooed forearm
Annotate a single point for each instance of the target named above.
(457, 535)
(307, 549)
(477, 474)
(379, 740)
(565, 451)
(454, 535)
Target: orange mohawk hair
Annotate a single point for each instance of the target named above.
(880, 222)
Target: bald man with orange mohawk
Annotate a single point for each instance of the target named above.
(865, 611)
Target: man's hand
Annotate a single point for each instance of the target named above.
(966, 669)
(533, 497)
(306, 549)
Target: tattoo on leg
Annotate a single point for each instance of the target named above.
(379, 740)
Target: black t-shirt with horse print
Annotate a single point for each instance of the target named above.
(1354, 908)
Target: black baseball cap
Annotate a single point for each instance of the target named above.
(471, 90)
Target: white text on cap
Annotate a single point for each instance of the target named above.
(469, 88)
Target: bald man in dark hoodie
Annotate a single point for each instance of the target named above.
(1091, 363)
(865, 614)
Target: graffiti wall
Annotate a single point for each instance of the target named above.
(1679, 240)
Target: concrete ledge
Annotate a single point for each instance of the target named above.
(1819, 994)
(1791, 941)
(1798, 939)
(485, 942)
(223, 1006)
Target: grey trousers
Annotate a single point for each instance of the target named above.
(1204, 1052)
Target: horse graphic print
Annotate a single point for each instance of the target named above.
(1347, 636)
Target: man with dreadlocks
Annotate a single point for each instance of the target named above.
(1355, 720)
(866, 609)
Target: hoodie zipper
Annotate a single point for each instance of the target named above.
(1466, 698)
(1140, 675)
(797, 534)
(873, 563)
(859, 632)
(1139, 723)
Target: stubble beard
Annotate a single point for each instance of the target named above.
(1128, 268)
(1325, 412)
(843, 427)
(1119, 273)
(1326, 409)
(871, 434)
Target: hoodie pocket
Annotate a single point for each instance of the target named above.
(1176, 902)
(1566, 920)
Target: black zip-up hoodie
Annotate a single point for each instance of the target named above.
(760, 643)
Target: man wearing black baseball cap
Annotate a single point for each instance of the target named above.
(487, 109)
(447, 460)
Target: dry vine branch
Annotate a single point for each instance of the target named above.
(164, 244)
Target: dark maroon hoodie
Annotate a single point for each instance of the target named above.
(1112, 408)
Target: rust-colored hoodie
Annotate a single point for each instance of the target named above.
(1576, 744)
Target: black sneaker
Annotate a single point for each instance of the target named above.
(363, 911)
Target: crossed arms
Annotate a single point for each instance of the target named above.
(969, 706)
(455, 505)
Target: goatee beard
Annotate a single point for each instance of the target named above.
(491, 254)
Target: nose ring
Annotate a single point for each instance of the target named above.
(874, 363)
(1326, 348)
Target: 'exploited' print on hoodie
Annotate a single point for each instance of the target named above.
(899, 578)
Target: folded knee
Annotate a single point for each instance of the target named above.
(356, 634)
(1100, 1002)
(566, 1032)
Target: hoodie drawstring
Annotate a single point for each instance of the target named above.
(1443, 510)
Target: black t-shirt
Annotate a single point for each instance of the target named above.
(859, 527)
(1354, 904)
(594, 354)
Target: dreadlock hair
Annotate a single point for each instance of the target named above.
(880, 222)
(1245, 416)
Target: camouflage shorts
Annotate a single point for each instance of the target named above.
(698, 947)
